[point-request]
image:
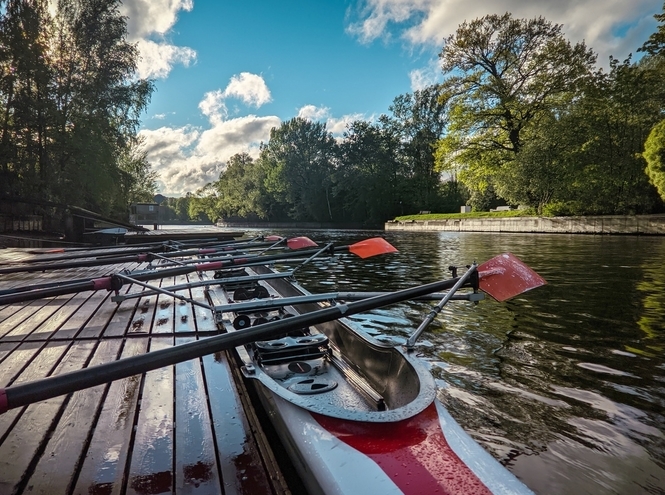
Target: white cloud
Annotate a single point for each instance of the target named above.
(312, 112)
(187, 158)
(336, 126)
(157, 59)
(213, 106)
(601, 24)
(249, 88)
(427, 76)
(147, 17)
(148, 23)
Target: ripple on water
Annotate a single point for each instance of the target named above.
(599, 368)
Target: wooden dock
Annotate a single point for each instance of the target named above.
(182, 429)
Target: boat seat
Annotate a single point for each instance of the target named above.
(292, 349)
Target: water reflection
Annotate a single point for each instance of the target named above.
(565, 385)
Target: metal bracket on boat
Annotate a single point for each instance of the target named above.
(160, 291)
(411, 342)
(256, 305)
(203, 283)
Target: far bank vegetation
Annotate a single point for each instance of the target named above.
(523, 117)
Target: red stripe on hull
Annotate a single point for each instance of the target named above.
(413, 453)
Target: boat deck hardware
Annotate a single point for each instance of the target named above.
(292, 349)
(359, 383)
(255, 305)
(203, 283)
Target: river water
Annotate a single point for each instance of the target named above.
(565, 384)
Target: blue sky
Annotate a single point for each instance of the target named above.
(228, 71)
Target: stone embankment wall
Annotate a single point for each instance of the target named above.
(611, 224)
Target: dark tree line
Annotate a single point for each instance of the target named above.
(375, 172)
(70, 105)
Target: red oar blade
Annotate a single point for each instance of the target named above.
(507, 276)
(300, 243)
(372, 247)
(273, 238)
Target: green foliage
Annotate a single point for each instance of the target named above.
(418, 121)
(242, 190)
(70, 105)
(502, 77)
(369, 181)
(656, 42)
(654, 154)
(177, 208)
(563, 209)
(600, 138)
(299, 161)
(203, 204)
(503, 73)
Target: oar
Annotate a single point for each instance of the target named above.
(144, 245)
(21, 395)
(295, 243)
(280, 302)
(364, 249)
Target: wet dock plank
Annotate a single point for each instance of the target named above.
(181, 429)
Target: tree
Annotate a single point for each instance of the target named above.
(138, 181)
(241, 188)
(370, 179)
(419, 120)
(656, 42)
(300, 160)
(70, 102)
(654, 154)
(99, 98)
(502, 75)
(586, 157)
(25, 96)
(203, 204)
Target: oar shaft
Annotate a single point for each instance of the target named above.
(20, 395)
(41, 267)
(51, 291)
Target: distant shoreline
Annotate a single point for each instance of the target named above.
(603, 225)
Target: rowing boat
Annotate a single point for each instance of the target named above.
(355, 414)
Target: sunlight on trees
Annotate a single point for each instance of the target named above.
(70, 106)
